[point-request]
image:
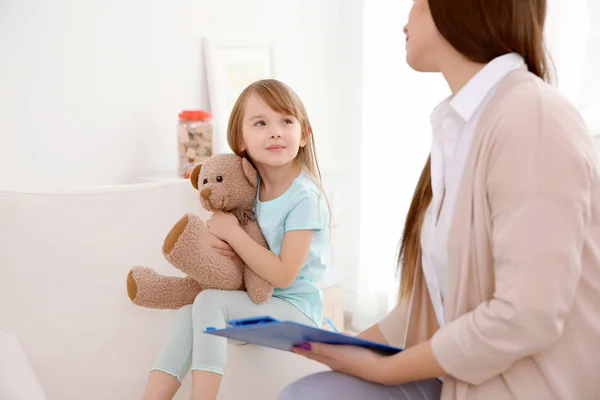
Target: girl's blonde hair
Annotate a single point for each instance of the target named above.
(282, 99)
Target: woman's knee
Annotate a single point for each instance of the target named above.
(322, 385)
(300, 389)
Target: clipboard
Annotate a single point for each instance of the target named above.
(283, 335)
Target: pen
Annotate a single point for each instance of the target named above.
(330, 323)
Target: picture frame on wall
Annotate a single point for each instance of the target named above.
(230, 67)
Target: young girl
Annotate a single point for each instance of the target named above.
(500, 258)
(268, 125)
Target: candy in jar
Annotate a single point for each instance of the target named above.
(194, 133)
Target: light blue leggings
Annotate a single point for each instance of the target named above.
(187, 347)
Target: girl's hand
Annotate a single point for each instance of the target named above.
(221, 224)
(220, 246)
(351, 360)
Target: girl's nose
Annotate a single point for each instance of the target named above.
(275, 135)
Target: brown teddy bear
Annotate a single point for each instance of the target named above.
(228, 183)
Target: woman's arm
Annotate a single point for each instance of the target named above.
(413, 364)
(538, 187)
(374, 334)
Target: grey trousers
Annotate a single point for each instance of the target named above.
(333, 385)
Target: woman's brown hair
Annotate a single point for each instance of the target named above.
(480, 30)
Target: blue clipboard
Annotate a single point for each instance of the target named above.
(283, 335)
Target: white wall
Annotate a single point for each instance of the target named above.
(567, 31)
(91, 89)
(349, 144)
(396, 140)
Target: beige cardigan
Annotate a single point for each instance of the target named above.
(523, 302)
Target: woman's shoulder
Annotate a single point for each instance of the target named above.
(528, 121)
(525, 103)
(522, 92)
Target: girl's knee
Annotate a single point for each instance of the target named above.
(215, 299)
(185, 310)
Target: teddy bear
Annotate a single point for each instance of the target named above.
(225, 182)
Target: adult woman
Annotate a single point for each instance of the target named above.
(500, 257)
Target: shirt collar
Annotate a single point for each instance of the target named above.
(468, 99)
(440, 112)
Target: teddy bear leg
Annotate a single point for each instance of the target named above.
(146, 288)
(259, 290)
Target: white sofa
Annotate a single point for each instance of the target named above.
(64, 258)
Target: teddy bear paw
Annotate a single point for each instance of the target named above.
(187, 229)
(135, 278)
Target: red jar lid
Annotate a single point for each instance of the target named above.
(195, 115)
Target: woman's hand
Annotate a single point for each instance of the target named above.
(351, 360)
(221, 224)
(220, 246)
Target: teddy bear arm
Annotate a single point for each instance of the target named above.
(185, 248)
(253, 230)
(259, 290)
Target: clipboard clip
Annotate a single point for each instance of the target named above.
(258, 320)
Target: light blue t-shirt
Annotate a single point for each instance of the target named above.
(301, 207)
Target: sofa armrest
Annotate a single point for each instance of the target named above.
(17, 379)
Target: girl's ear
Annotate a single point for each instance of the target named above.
(305, 136)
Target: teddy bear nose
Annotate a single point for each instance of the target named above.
(205, 193)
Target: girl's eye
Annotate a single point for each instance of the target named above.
(260, 123)
(288, 121)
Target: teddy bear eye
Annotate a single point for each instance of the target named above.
(219, 178)
(205, 181)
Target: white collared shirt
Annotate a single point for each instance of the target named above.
(453, 123)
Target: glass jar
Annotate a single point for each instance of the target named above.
(195, 138)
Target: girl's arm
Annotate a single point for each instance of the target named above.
(280, 270)
(308, 215)
(219, 245)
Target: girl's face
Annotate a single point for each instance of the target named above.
(424, 43)
(270, 138)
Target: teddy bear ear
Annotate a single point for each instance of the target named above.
(249, 172)
(194, 176)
